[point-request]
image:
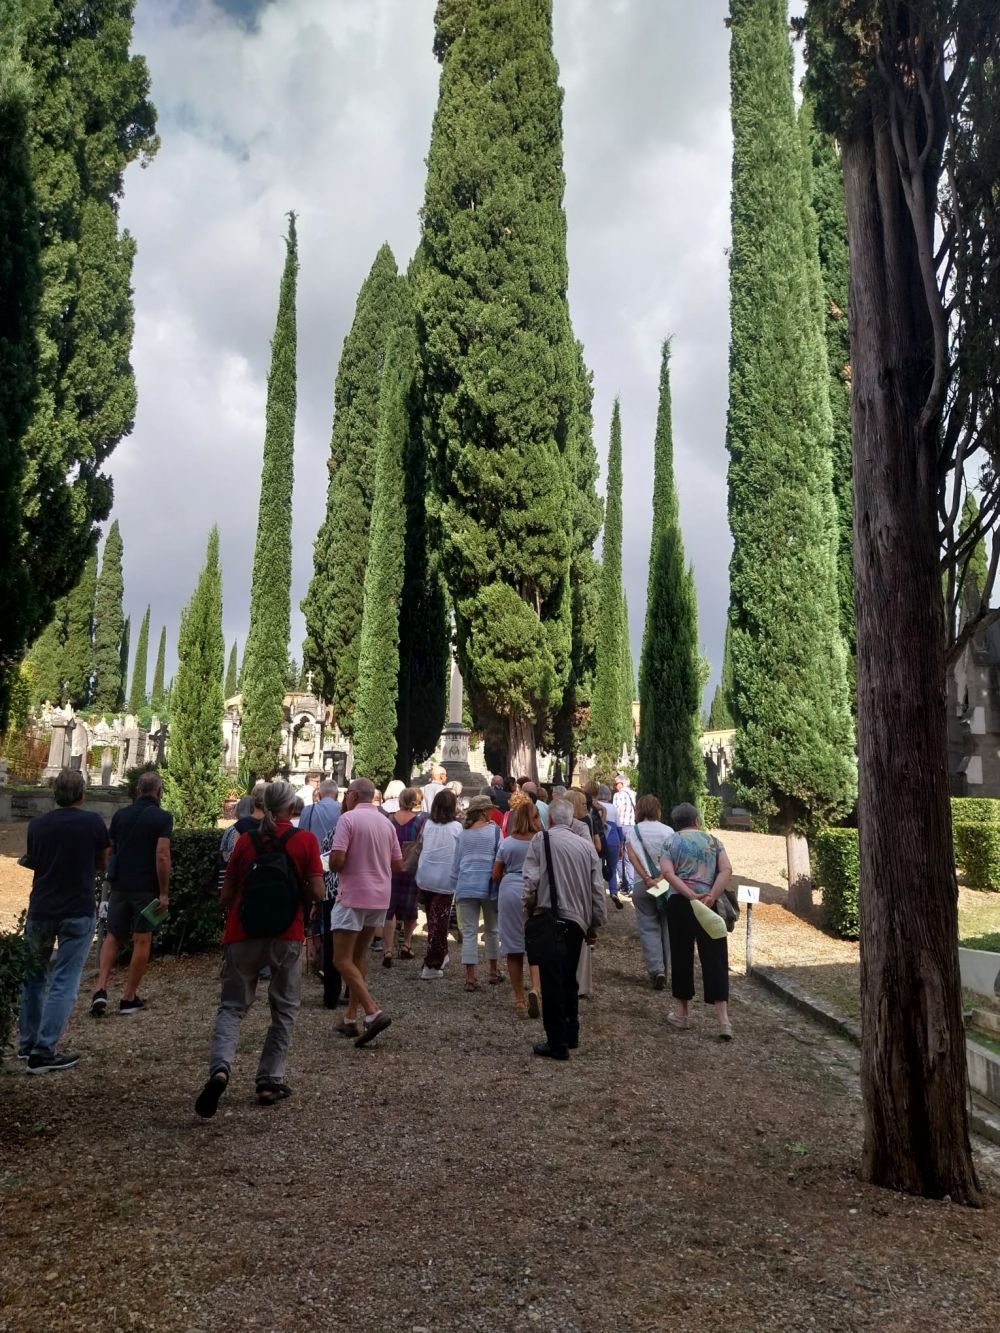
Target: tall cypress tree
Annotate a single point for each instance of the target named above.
(670, 765)
(123, 651)
(721, 714)
(499, 360)
(332, 606)
(265, 658)
(607, 720)
(45, 660)
(109, 625)
(794, 744)
(137, 694)
(193, 781)
(78, 655)
(232, 674)
(157, 697)
(628, 690)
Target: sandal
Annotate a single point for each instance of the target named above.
(472, 985)
(387, 959)
(496, 978)
(269, 1094)
(407, 954)
(208, 1099)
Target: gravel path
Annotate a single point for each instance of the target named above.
(446, 1179)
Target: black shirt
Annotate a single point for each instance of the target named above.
(63, 846)
(135, 832)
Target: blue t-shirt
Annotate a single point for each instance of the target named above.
(63, 846)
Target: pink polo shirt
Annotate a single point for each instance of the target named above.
(369, 840)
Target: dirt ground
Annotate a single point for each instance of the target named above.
(446, 1179)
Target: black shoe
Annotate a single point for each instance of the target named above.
(659, 981)
(543, 1048)
(99, 1004)
(573, 1045)
(370, 1030)
(23, 1052)
(47, 1064)
(131, 1006)
(208, 1099)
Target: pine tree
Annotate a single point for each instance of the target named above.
(670, 765)
(89, 118)
(232, 675)
(193, 781)
(123, 651)
(332, 606)
(158, 696)
(720, 717)
(78, 654)
(265, 658)
(500, 361)
(109, 625)
(607, 722)
(137, 694)
(794, 749)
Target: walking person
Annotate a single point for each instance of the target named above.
(67, 848)
(522, 826)
(365, 856)
(408, 823)
(647, 838)
(138, 871)
(439, 776)
(696, 866)
(438, 841)
(605, 841)
(624, 804)
(554, 942)
(475, 891)
(320, 819)
(273, 874)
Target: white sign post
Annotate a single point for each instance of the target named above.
(748, 894)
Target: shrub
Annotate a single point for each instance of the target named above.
(975, 810)
(195, 921)
(15, 954)
(711, 811)
(837, 857)
(977, 851)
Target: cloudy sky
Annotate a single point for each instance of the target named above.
(325, 107)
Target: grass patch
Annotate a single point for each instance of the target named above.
(978, 919)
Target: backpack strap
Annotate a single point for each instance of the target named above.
(286, 837)
(257, 839)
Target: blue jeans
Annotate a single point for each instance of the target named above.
(49, 993)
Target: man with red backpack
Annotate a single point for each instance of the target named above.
(272, 875)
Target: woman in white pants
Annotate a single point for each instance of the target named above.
(475, 891)
(645, 841)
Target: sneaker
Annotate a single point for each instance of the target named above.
(131, 1006)
(348, 1027)
(543, 1048)
(659, 981)
(676, 1022)
(23, 1052)
(99, 1004)
(431, 973)
(725, 1031)
(534, 1008)
(47, 1064)
(377, 943)
(372, 1026)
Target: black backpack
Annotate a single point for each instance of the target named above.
(272, 892)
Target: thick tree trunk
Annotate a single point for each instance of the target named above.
(800, 885)
(521, 748)
(913, 1043)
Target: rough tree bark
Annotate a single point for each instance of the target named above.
(913, 1043)
(800, 885)
(521, 748)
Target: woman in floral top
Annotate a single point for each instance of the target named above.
(695, 865)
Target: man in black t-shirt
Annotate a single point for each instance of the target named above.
(139, 872)
(66, 848)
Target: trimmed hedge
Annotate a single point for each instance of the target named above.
(711, 811)
(195, 920)
(977, 851)
(837, 860)
(15, 955)
(975, 810)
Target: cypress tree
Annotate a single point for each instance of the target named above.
(332, 606)
(90, 117)
(670, 765)
(193, 781)
(45, 660)
(378, 658)
(137, 694)
(607, 718)
(265, 658)
(78, 655)
(232, 675)
(794, 744)
(499, 361)
(628, 678)
(158, 696)
(123, 651)
(109, 625)
(720, 717)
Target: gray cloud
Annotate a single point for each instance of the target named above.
(325, 106)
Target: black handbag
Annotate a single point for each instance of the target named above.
(541, 930)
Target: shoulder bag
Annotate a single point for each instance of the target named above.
(413, 849)
(662, 885)
(541, 930)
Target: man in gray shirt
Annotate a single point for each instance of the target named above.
(581, 908)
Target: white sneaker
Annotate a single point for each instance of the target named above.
(431, 973)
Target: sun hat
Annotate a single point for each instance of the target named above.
(478, 803)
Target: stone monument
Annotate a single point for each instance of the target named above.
(455, 741)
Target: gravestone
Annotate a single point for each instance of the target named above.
(107, 767)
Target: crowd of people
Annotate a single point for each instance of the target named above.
(530, 868)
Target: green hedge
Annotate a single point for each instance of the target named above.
(837, 862)
(975, 810)
(15, 954)
(195, 920)
(711, 811)
(977, 851)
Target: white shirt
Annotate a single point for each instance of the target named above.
(624, 803)
(305, 793)
(430, 791)
(648, 840)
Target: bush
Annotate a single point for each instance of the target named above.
(195, 921)
(975, 810)
(15, 954)
(837, 857)
(711, 811)
(977, 851)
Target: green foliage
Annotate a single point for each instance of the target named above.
(16, 956)
(109, 625)
(137, 694)
(45, 659)
(794, 746)
(89, 117)
(196, 920)
(973, 583)
(78, 653)
(500, 363)
(670, 763)
(609, 726)
(265, 658)
(711, 811)
(837, 867)
(20, 697)
(123, 663)
(333, 604)
(232, 674)
(975, 810)
(977, 851)
(158, 696)
(720, 715)
(193, 784)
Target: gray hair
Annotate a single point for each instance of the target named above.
(561, 813)
(364, 787)
(245, 807)
(68, 787)
(279, 799)
(328, 788)
(558, 792)
(684, 816)
(149, 784)
(258, 795)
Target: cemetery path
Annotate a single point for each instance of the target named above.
(446, 1179)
